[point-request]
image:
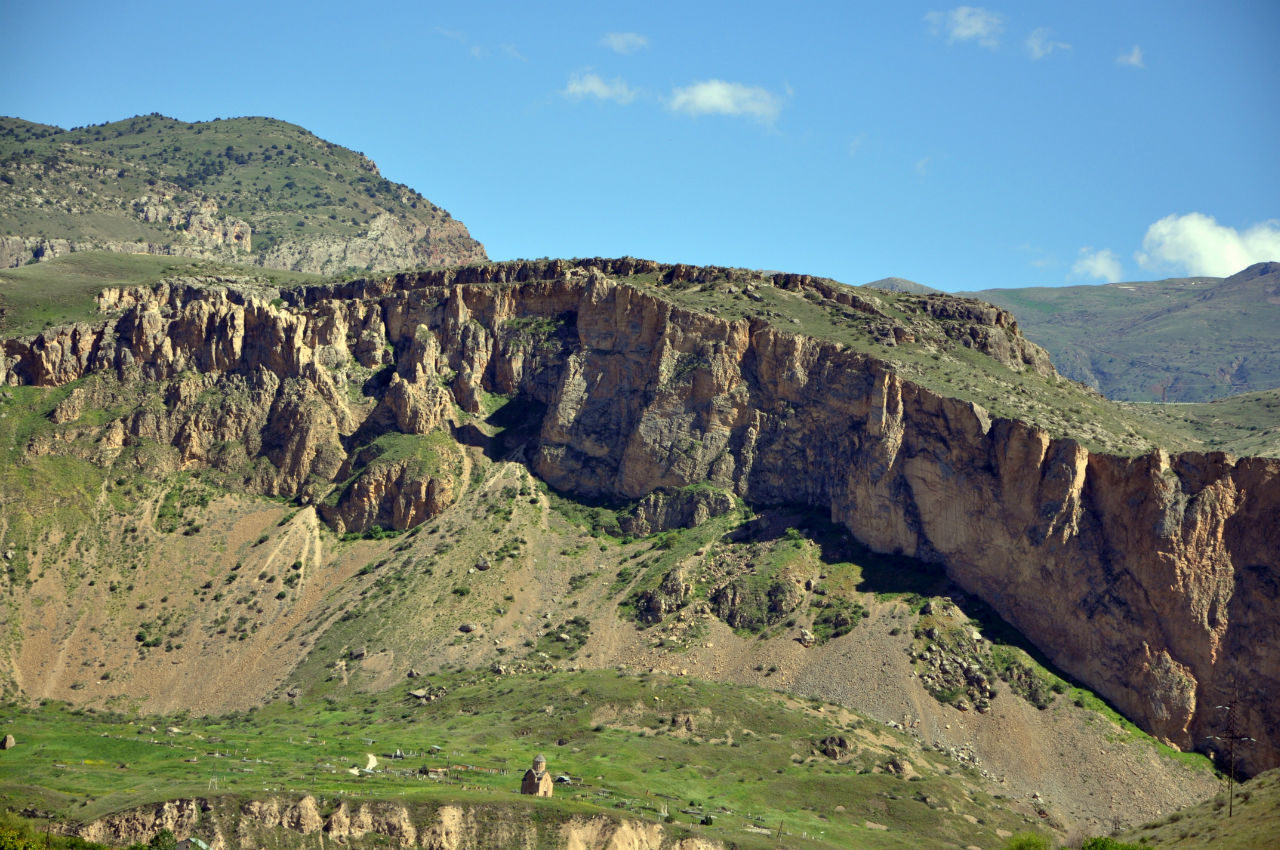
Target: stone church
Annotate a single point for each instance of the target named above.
(536, 779)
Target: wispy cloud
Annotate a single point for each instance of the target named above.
(1196, 244)
(1039, 45)
(1040, 259)
(476, 50)
(922, 165)
(968, 23)
(624, 42)
(590, 84)
(1096, 265)
(856, 143)
(1133, 58)
(717, 97)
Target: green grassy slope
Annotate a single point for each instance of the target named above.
(1178, 340)
(1250, 822)
(751, 759)
(1244, 425)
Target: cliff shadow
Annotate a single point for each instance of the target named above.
(511, 429)
(880, 573)
(1247, 683)
(912, 580)
(380, 421)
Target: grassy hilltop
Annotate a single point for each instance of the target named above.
(136, 180)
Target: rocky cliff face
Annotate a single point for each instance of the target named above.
(387, 244)
(16, 251)
(1153, 579)
(285, 821)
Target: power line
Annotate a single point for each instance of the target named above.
(1232, 737)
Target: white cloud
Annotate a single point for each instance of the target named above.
(1097, 265)
(1039, 45)
(1133, 58)
(968, 23)
(716, 97)
(856, 143)
(922, 165)
(624, 42)
(1040, 259)
(1195, 244)
(588, 84)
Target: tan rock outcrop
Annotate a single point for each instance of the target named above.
(139, 825)
(387, 244)
(394, 495)
(605, 834)
(662, 510)
(258, 823)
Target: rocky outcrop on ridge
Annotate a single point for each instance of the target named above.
(1153, 579)
(387, 244)
(662, 510)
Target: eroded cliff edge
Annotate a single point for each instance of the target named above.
(225, 823)
(1152, 579)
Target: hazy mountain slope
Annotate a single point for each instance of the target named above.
(1177, 340)
(898, 284)
(250, 189)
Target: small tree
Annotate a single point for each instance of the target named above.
(163, 840)
(1027, 841)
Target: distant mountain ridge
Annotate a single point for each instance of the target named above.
(253, 190)
(1191, 339)
(900, 284)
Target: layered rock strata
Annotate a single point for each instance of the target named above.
(1152, 579)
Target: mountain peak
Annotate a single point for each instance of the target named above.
(1268, 267)
(250, 189)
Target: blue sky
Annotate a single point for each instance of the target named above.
(962, 146)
